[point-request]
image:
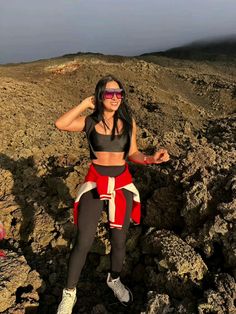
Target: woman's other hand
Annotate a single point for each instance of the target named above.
(161, 156)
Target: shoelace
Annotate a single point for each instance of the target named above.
(68, 301)
(69, 293)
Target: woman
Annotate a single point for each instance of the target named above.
(111, 134)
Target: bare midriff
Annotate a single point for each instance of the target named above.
(109, 158)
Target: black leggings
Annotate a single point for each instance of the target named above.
(89, 212)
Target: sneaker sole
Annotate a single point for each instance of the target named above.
(73, 304)
(130, 300)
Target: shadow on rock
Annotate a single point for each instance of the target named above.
(35, 210)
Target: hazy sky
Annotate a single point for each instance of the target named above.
(34, 29)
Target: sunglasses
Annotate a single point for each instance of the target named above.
(110, 93)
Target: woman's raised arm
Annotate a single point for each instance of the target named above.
(71, 120)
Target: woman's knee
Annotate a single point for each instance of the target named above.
(83, 243)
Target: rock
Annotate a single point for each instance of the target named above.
(18, 281)
(42, 232)
(180, 269)
(217, 231)
(99, 309)
(228, 210)
(72, 182)
(60, 242)
(195, 208)
(158, 304)
(133, 238)
(7, 181)
(197, 160)
(221, 299)
(138, 273)
(101, 244)
(185, 305)
(104, 264)
(131, 259)
(163, 209)
(52, 278)
(37, 283)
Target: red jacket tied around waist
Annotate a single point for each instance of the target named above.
(110, 188)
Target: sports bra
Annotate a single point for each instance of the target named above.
(102, 142)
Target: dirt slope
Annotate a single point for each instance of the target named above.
(181, 259)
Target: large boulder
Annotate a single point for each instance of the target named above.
(221, 299)
(179, 269)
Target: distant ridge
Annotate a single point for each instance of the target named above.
(207, 49)
(87, 53)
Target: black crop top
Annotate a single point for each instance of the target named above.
(103, 142)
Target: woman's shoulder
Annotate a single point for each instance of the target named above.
(89, 123)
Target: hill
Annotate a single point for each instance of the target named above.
(181, 259)
(217, 49)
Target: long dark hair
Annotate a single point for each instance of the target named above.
(123, 112)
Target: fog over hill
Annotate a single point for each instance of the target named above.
(217, 48)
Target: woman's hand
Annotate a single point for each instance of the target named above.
(89, 102)
(161, 156)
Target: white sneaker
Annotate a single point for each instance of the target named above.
(123, 294)
(68, 301)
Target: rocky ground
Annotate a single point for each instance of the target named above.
(182, 258)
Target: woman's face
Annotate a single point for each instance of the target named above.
(113, 103)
